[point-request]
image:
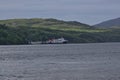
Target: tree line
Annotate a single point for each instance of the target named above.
(25, 34)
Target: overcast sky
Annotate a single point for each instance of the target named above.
(85, 11)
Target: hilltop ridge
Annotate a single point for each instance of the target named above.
(40, 22)
(112, 23)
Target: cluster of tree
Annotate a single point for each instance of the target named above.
(10, 35)
(24, 35)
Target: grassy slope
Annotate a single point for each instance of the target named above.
(43, 29)
(51, 24)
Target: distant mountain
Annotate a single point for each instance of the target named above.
(113, 23)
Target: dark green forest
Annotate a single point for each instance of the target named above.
(23, 31)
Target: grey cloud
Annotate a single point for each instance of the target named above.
(62, 9)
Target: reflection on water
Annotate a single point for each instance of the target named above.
(94, 61)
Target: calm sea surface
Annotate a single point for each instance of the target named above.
(94, 61)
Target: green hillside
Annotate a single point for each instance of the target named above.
(22, 31)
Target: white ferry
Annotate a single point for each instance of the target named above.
(56, 41)
(51, 41)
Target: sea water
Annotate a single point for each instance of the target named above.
(92, 61)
